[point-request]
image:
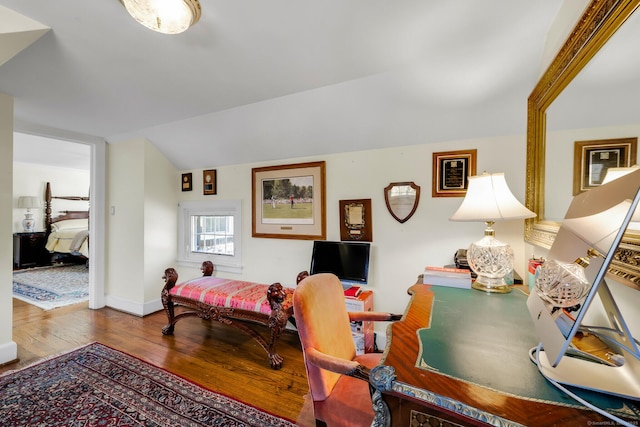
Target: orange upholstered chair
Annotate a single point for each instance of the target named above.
(338, 378)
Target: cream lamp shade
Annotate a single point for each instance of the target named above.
(615, 173)
(28, 203)
(164, 16)
(488, 200)
(600, 229)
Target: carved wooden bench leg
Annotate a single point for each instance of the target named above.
(170, 277)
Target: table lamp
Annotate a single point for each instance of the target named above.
(615, 173)
(489, 199)
(564, 284)
(28, 203)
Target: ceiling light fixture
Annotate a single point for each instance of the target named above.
(164, 16)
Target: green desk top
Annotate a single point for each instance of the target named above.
(485, 339)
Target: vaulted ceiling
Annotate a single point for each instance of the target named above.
(252, 77)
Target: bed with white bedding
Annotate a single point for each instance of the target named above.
(67, 233)
(69, 237)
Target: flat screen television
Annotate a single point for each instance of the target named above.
(346, 259)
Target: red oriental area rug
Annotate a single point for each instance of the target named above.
(96, 385)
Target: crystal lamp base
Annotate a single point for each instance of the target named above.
(491, 260)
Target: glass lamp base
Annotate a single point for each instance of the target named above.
(491, 285)
(491, 260)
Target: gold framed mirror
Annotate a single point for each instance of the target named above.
(595, 27)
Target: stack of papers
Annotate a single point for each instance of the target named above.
(445, 276)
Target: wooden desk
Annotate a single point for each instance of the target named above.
(407, 395)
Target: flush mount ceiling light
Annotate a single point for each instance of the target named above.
(164, 16)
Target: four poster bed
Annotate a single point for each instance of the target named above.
(67, 234)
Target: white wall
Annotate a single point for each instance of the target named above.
(160, 221)
(30, 180)
(8, 348)
(125, 225)
(142, 225)
(400, 251)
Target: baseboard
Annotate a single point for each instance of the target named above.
(131, 307)
(8, 352)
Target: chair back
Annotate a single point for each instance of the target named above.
(323, 323)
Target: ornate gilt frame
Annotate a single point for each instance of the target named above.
(601, 19)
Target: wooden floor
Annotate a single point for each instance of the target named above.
(215, 356)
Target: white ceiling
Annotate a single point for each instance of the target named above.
(210, 96)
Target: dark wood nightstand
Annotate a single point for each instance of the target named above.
(29, 250)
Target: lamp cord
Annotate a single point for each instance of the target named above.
(536, 359)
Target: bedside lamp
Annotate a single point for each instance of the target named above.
(489, 199)
(28, 203)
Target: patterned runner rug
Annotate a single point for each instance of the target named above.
(52, 287)
(97, 385)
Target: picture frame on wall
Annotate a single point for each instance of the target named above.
(209, 182)
(289, 202)
(592, 159)
(355, 220)
(451, 172)
(187, 181)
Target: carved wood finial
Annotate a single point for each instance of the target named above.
(207, 268)
(170, 278)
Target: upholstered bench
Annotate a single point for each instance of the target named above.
(231, 302)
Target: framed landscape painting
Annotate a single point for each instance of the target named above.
(289, 201)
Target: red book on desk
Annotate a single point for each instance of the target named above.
(353, 291)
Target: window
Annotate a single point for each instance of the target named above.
(210, 230)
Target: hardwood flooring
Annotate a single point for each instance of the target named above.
(212, 355)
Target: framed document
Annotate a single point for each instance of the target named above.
(355, 220)
(451, 172)
(592, 159)
(209, 182)
(187, 181)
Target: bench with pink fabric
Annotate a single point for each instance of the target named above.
(231, 302)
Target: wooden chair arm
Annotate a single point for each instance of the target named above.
(336, 364)
(374, 316)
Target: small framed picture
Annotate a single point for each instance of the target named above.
(451, 172)
(187, 181)
(209, 182)
(355, 220)
(592, 159)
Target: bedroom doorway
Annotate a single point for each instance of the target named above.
(74, 167)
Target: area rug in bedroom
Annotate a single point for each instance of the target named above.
(97, 385)
(52, 287)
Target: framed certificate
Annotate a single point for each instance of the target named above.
(209, 184)
(451, 172)
(355, 220)
(187, 181)
(592, 159)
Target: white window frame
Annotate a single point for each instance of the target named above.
(226, 263)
